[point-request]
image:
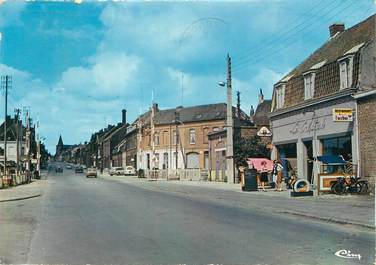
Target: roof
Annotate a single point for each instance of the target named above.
(261, 115)
(198, 113)
(343, 43)
(11, 129)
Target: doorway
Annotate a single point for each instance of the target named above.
(309, 160)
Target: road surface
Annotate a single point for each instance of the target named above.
(97, 221)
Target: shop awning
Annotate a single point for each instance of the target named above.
(260, 164)
(332, 160)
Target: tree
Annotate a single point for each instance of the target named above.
(246, 148)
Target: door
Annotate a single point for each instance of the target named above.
(193, 160)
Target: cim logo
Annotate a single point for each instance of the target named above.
(346, 254)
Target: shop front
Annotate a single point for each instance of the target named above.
(302, 134)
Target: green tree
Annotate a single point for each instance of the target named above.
(246, 148)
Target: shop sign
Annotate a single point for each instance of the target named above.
(306, 126)
(342, 114)
(264, 132)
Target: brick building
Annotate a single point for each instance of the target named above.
(181, 135)
(322, 106)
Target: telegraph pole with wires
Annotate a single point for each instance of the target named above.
(17, 123)
(6, 83)
(229, 126)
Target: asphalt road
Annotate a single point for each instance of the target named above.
(98, 221)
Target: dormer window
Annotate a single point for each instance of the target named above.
(309, 85)
(345, 72)
(280, 96)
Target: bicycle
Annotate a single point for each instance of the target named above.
(352, 185)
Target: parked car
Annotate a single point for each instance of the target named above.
(91, 172)
(129, 170)
(79, 170)
(116, 171)
(59, 169)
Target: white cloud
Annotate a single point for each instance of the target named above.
(109, 74)
(10, 12)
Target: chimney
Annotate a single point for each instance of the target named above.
(251, 113)
(335, 28)
(261, 97)
(123, 116)
(155, 107)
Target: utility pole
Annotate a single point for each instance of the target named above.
(6, 84)
(176, 139)
(152, 136)
(17, 121)
(229, 125)
(38, 150)
(28, 176)
(238, 103)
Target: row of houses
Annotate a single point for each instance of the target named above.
(182, 138)
(22, 149)
(325, 106)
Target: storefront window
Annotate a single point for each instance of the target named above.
(287, 156)
(338, 146)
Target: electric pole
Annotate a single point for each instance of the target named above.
(6, 84)
(229, 123)
(176, 139)
(17, 121)
(28, 176)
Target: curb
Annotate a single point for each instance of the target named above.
(327, 219)
(21, 198)
(318, 218)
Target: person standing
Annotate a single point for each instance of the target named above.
(263, 175)
(277, 175)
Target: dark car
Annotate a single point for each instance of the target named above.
(59, 169)
(79, 170)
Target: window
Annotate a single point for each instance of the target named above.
(165, 137)
(205, 135)
(1, 151)
(280, 96)
(345, 72)
(175, 137)
(156, 161)
(156, 138)
(165, 161)
(148, 161)
(309, 85)
(192, 136)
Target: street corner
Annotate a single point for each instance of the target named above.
(23, 192)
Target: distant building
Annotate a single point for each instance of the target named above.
(180, 138)
(64, 151)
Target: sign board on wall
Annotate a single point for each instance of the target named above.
(342, 114)
(264, 132)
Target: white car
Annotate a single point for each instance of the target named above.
(129, 170)
(116, 171)
(91, 172)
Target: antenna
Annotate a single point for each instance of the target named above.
(182, 88)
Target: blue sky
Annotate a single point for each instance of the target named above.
(77, 65)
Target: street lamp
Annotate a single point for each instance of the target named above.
(229, 133)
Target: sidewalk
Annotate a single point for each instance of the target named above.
(25, 191)
(348, 209)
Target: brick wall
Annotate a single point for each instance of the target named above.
(367, 137)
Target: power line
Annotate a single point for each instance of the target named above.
(245, 64)
(284, 38)
(284, 33)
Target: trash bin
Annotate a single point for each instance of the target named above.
(250, 180)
